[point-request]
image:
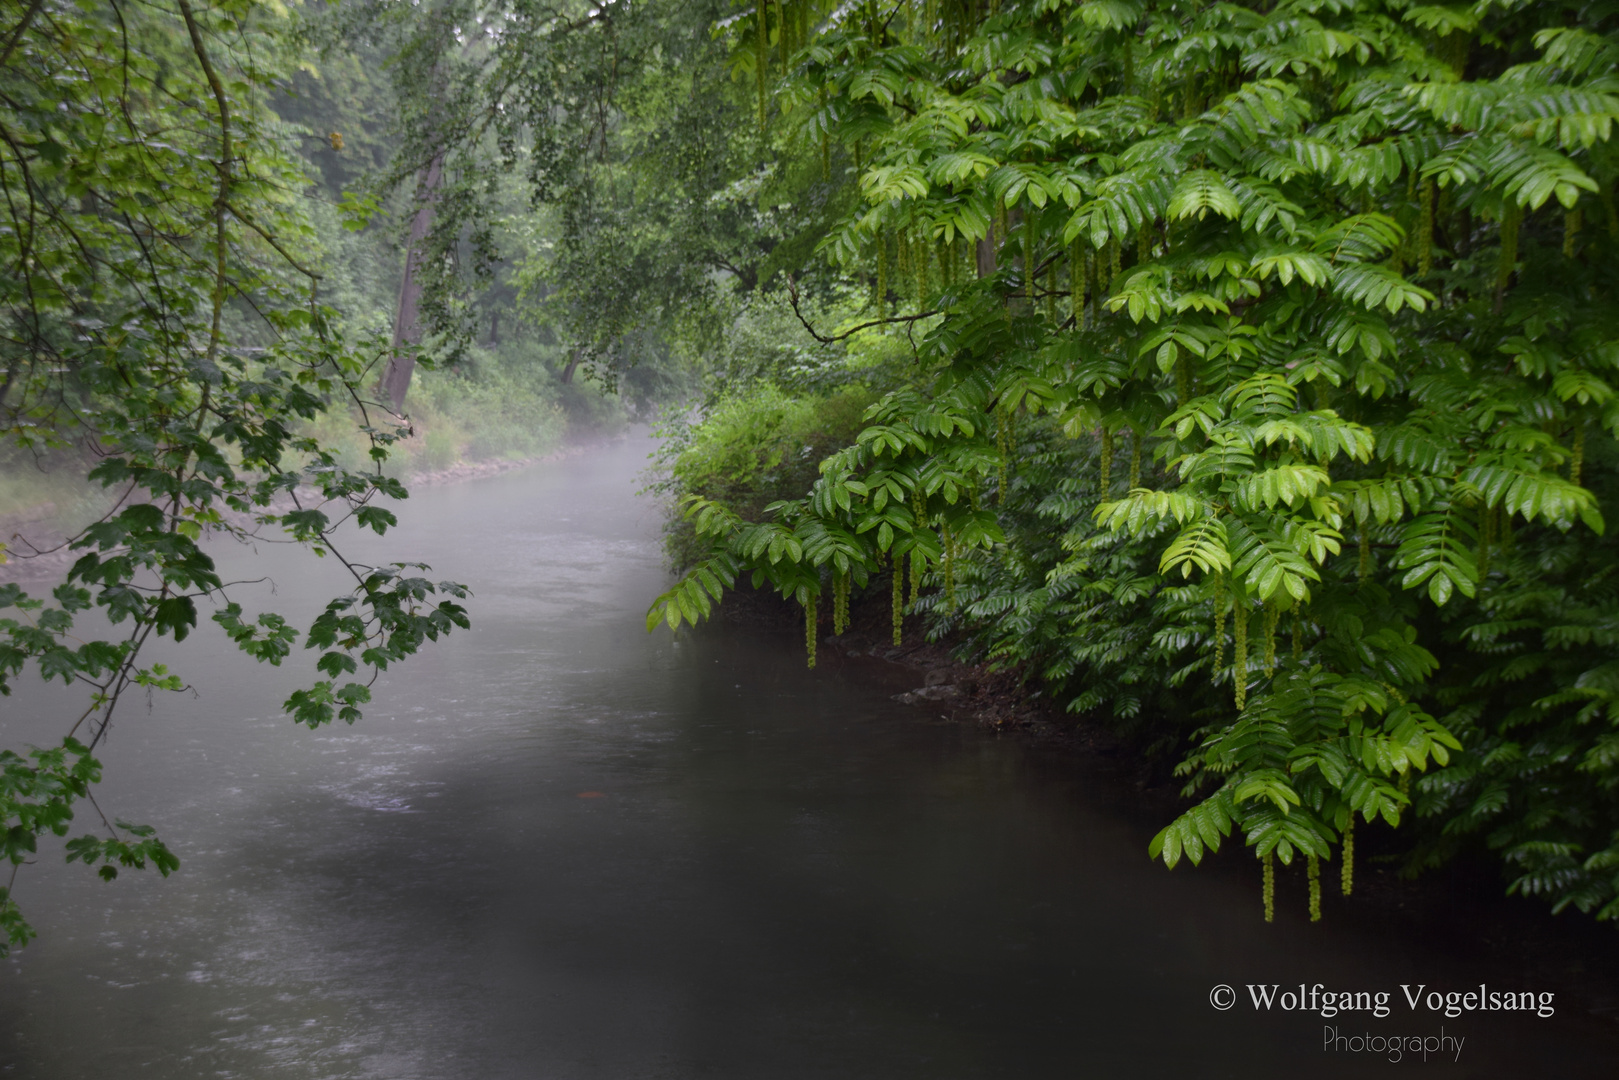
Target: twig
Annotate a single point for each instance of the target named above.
(792, 291)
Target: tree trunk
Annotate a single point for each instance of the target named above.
(567, 372)
(985, 252)
(407, 329)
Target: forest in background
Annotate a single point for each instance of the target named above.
(1240, 373)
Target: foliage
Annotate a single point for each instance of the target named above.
(159, 311)
(1314, 288)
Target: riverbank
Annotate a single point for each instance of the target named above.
(36, 535)
(1460, 908)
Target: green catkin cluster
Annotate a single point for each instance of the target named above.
(1511, 218)
(899, 602)
(1239, 651)
(1106, 482)
(1143, 245)
(1003, 446)
(810, 619)
(1312, 866)
(1029, 266)
(1268, 860)
(919, 512)
(1272, 614)
(1365, 572)
(1576, 459)
(921, 262)
(1093, 277)
(1572, 220)
(840, 602)
(1183, 381)
(1135, 460)
(1349, 855)
(902, 260)
(786, 39)
(1219, 622)
(1113, 266)
(1425, 234)
(882, 274)
(1405, 783)
(761, 61)
(1076, 283)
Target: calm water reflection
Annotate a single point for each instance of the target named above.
(558, 847)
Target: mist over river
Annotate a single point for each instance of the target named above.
(558, 847)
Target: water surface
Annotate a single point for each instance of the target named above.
(557, 847)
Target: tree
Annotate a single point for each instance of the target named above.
(157, 316)
(1325, 272)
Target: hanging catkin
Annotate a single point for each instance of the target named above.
(1076, 283)
(1135, 460)
(1576, 458)
(1107, 463)
(899, 601)
(1029, 268)
(902, 262)
(1269, 889)
(1425, 233)
(922, 262)
(1239, 650)
(761, 60)
(809, 627)
(1183, 380)
(1349, 855)
(1113, 265)
(882, 274)
(781, 32)
(826, 141)
(1093, 274)
(1272, 614)
(1511, 218)
(919, 512)
(1219, 623)
(1003, 445)
(1144, 243)
(1312, 866)
(841, 583)
(1572, 220)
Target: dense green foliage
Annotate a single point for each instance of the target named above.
(163, 314)
(1261, 395)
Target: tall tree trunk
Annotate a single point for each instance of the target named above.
(984, 252)
(573, 363)
(407, 329)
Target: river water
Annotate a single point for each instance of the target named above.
(558, 847)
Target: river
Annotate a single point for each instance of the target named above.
(559, 847)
